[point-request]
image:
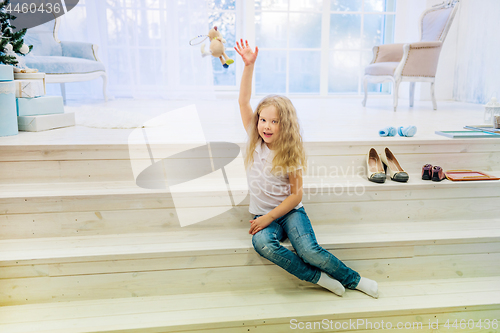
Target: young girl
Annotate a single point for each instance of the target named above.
(274, 160)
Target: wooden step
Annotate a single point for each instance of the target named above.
(27, 172)
(267, 311)
(114, 217)
(72, 209)
(83, 268)
(191, 242)
(95, 163)
(158, 280)
(120, 151)
(84, 249)
(353, 188)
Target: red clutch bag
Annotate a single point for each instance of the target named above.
(461, 175)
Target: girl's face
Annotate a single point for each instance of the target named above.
(269, 126)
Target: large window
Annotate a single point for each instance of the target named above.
(308, 46)
(355, 26)
(222, 14)
(289, 34)
(136, 44)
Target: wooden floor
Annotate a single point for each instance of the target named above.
(322, 120)
(84, 249)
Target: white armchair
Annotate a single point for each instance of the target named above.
(63, 62)
(413, 62)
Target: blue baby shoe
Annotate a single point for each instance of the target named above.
(387, 131)
(407, 131)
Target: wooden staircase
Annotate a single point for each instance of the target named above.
(84, 249)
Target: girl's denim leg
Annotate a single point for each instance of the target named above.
(299, 230)
(267, 243)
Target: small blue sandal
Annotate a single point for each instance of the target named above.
(387, 131)
(407, 131)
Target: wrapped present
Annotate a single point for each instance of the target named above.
(29, 88)
(6, 73)
(40, 106)
(25, 70)
(45, 122)
(31, 76)
(8, 114)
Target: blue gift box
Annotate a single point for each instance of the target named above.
(6, 73)
(40, 106)
(8, 116)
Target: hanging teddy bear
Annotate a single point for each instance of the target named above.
(217, 47)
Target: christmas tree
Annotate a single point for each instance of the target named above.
(11, 43)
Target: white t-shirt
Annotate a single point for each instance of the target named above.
(266, 190)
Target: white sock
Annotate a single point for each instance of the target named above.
(331, 284)
(368, 286)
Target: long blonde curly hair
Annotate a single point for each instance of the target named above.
(288, 147)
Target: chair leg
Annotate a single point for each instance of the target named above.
(365, 87)
(395, 95)
(104, 86)
(434, 104)
(63, 92)
(412, 93)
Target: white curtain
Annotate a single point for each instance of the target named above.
(144, 45)
(478, 67)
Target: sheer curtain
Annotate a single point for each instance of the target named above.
(477, 68)
(145, 47)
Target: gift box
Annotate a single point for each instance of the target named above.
(31, 76)
(6, 73)
(40, 106)
(8, 113)
(46, 122)
(29, 88)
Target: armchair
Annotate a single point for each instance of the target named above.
(63, 62)
(413, 62)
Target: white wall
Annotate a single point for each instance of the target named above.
(478, 52)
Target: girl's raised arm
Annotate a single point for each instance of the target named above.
(248, 57)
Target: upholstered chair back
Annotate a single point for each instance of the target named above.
(44, 40)
(434, 24)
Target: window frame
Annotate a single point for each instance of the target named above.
(245, 26)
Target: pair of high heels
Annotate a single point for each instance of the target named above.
(377, 166)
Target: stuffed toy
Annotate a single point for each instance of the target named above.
(217, 47)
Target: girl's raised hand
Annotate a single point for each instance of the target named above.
(246, 52)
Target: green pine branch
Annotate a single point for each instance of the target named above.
(16, 39)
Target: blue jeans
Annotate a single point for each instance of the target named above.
(310, 259)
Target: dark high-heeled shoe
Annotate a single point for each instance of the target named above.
(395, 170)
(374, 169)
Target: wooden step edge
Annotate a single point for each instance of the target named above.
(194, 242)
(372, 142)
(235, 308)
(312, 185)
